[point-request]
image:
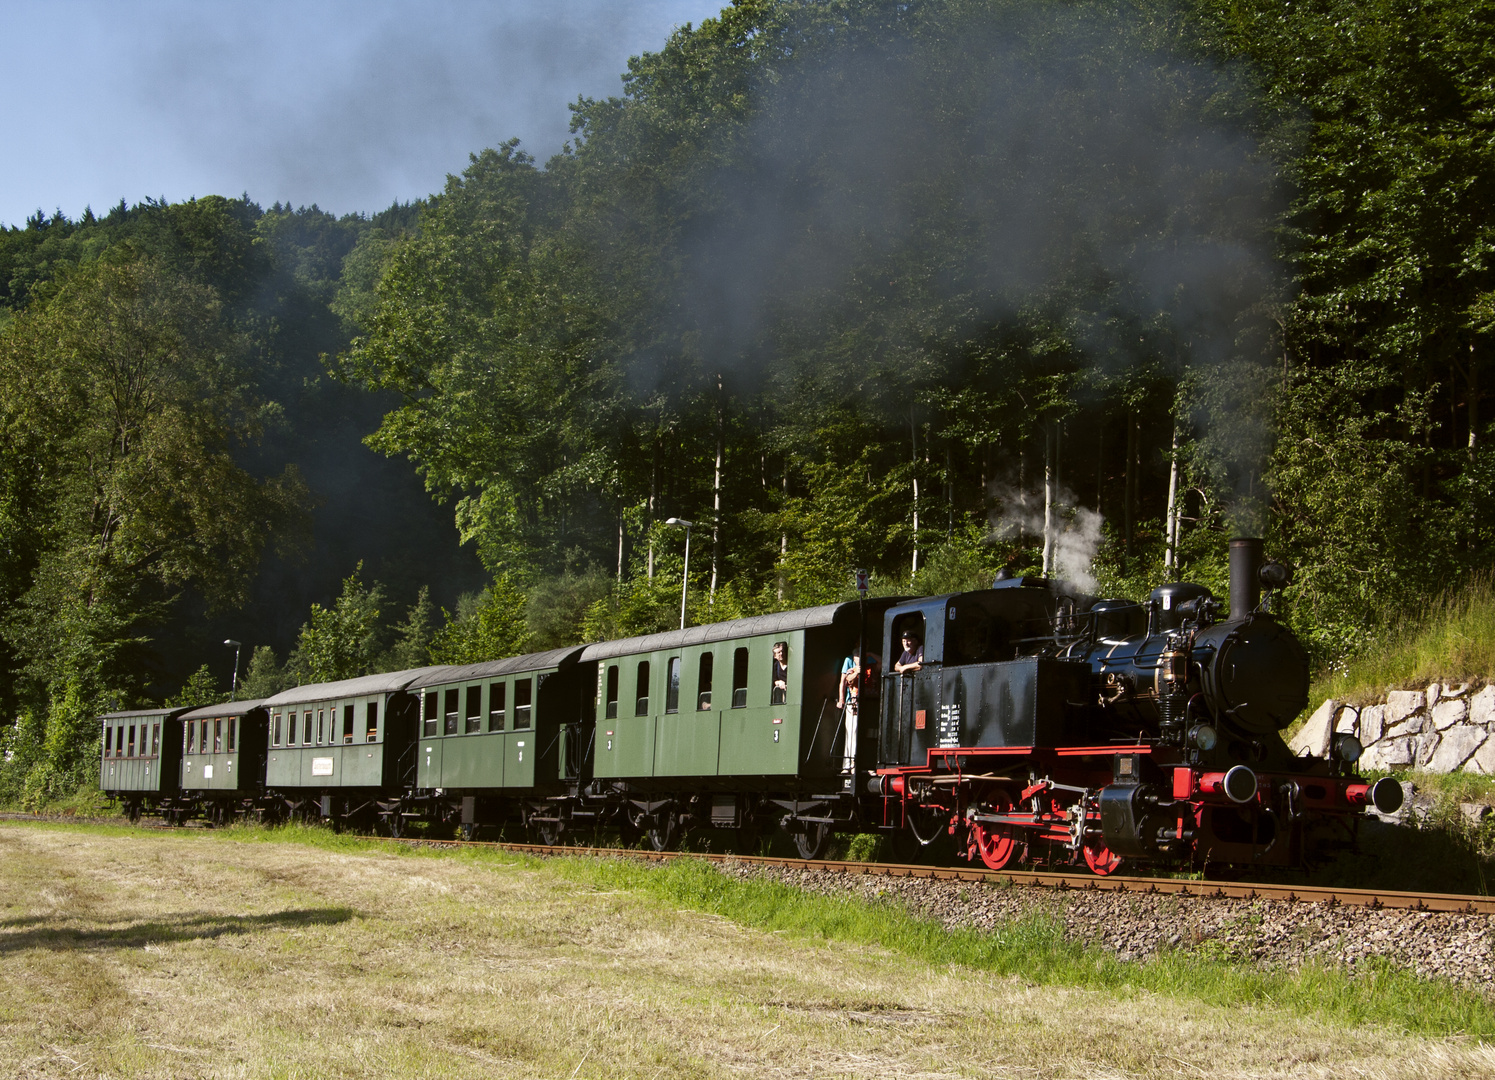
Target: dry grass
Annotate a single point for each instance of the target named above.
(198, 956)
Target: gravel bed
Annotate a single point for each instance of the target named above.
(1445, 945)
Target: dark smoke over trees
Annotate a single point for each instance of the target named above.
(929, 288)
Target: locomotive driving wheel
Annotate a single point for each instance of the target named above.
(1101, 859)
(996, 843)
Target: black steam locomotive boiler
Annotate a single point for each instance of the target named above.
(1046, 726)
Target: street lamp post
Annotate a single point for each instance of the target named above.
(233, 692)
(685, 575)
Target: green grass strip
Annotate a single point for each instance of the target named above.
(1033, 949)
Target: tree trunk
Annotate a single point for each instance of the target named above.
(913, 430)
(653, 494)
(621, 507)
(1129, 500)
(716, 502)
(1170, 554)
(1050, 481)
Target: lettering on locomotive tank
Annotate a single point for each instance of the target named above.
(949, 727)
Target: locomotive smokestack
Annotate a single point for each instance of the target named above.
(1245, 576)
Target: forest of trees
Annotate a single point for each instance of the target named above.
(931, 288)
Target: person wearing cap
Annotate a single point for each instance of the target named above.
(913, 653)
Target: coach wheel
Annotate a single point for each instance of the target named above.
(395, 823)
(745, 838)
(663, 831)
(630, 826)
(469, 830)
(1101, 859)
(132, 811)
(813, 840)
(996, 844)
(549, 833)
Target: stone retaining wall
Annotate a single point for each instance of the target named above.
(1441, 729)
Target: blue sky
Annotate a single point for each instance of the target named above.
(348, 105)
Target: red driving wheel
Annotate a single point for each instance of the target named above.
(996, 844)
(1101, 859)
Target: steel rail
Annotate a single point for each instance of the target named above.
(1331, 896)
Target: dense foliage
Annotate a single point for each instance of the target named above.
(929, 288)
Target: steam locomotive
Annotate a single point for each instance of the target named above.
(1041, 726)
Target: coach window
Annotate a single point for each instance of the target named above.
(217, 736)
(641, 706)
(611, 694)
(672, 685)
(703, 682)
(233, 732)
(108, 740)
(522, 690)
(739, 678)
(433, 706)
(779, 693)
(306, 727)
(275, 730)
(371, 721)
(156, 739)
(191, 737)
(132, 741)
(498, 704)
(452, 696)
(474, 712)
(348, 722)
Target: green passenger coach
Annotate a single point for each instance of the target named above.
(729, 723)
(498, 740)
(334, 748)
(223, 758)
(139, 757)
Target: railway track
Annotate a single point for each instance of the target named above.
(1060, 882)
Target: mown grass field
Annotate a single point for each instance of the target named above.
(253, 954)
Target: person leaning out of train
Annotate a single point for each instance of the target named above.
(913, 654)
(850, 688)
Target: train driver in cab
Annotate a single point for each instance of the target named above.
(913, 652)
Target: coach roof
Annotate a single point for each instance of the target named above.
(489, 669)
(779, 622)
(386, 683)
(228, 708)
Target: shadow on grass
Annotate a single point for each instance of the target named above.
(42, 932)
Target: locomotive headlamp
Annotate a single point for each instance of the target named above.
(1204, 736)
(1347, 748)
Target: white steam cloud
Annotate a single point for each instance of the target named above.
(1077, 536)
